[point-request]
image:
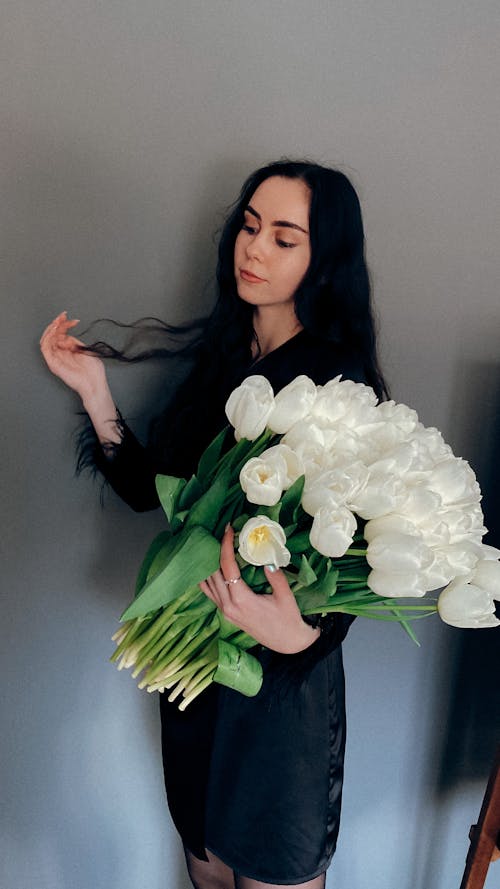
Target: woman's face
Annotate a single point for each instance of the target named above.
(273, 251)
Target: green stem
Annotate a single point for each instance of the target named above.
(187, 671)
(170, 654)
(132, 632)
(181, 652)
(198, 690)
(201, 674)
(159, 644)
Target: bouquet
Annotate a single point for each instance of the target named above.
(360, 504)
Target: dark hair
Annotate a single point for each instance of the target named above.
(333, 301)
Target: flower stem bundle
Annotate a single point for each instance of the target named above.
(364, 508)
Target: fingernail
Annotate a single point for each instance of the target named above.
(228, 526)
(272, 568)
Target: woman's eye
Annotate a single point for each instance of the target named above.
(248, 228)
(281, 243)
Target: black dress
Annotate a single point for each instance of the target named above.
(257, 781)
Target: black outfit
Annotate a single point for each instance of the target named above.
(257, 781)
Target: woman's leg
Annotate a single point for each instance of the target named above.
(247, 883)
(211, 874)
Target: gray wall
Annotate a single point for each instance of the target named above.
(127, 128)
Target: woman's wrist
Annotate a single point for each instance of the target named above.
(104, 416)
(308, 636)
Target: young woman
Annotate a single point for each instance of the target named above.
(254, 784)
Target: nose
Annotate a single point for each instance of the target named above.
(255, 248)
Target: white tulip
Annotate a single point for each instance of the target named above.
(440, 572)
(249, 406)
(292, 404)
(461, 558)
(381, 495)
(333, 487)
(431, 440)
(397, 586)
(308, 431)
(489, 552)
(353, 403)
(392, 522)
(332, 531)
(395, 553)
(263, 480)
(420, 503)
(463, 604)
(262, 542)
(487, 576)
(461, 525)
(400, 418)
(399, 461)
(293, 464)
(455, 482)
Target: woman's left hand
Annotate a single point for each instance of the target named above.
(274, 620)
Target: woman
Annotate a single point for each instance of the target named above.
(254, 784)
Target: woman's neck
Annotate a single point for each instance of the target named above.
(273, 326)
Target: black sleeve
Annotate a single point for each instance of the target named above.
(127, 467)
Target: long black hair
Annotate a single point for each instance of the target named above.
(333, 302)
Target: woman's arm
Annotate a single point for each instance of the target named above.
(84, 373)
(114, 451)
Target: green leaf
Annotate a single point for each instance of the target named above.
(245, 449)
(160, 560)
(238, 670)
(254, 576)
(206, 511)
(226, 628)
(210, 457)
(272, 512)
(169, 488)
(240, 521)
(318, 595)
(306, 574)
(291, 501)
(248, 574)
(195, 557)
(158, 545)
(178, 520)
(298, 542)
(190, 494)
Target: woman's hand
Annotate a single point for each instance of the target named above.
(80, 370)
(273, 620)
(84, 373)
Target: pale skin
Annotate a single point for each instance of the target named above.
(272, 254)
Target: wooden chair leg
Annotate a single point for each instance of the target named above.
(485, 835)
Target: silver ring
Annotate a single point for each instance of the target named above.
(234, 580)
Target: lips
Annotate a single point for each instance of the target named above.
(250, 277)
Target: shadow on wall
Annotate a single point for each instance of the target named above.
(472, 732)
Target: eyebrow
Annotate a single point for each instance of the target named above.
(279, 223)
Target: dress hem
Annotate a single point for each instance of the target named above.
(267, 879)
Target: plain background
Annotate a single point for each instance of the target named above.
(127, 129)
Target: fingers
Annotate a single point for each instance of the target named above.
(206, 588)
(53, 326)
(55, 340)
(228, 563)
(278, 582)
(60, 325)
(216, 589)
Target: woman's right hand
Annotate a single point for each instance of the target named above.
(81, 371)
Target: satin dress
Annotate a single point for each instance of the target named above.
(257, 781)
